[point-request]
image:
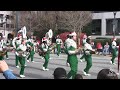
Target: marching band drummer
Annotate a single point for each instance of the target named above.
(16, 42)
(21, 54)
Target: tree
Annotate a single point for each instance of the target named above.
(87, 29)
(42, 21)
(75, 20)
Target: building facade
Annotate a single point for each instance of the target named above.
(6, 25)
(102, 24)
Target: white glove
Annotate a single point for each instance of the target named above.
(17, 53)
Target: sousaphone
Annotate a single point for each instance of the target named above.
(50, 33)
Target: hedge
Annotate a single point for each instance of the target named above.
(103, 41)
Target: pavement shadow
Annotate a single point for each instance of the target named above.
(52, 63)
(101, 62)
(32, 75)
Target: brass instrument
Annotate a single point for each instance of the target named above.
(41, 53)
(22, 53)
(52, 47)
(93, 52)
(9, 48)
(3, 52)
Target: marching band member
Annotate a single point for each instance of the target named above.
(36, 44)
(8, 44)
(66, 47)
(3, 65)
(16, 42)
(46, 55)
(72, 57)
(83, 42)
(31, 46)
(21, 53)
(4, 46)
(58, 44)
(88, 56)
(114, 51)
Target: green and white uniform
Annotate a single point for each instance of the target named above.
(16, 42)
(45, 49)
(1, 49)
(4, 46)
(32, 51)
(67, 43)
(72, 58)
(21, 58)
(114, 51)
(88, 57)
(9, 43)
(58, 45)
(83, 43)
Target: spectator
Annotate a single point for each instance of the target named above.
(93, 45)
(60, 73)
(5, 70)
(107, 74)
(78, 76)
(106, 49)
(99, 48)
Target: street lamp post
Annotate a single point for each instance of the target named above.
(114, 24)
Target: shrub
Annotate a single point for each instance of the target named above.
(103, 41)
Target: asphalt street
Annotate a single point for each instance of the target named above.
(34, 70)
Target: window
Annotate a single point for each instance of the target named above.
(11, 17)
(7, 25)
(1, 15)
(1, 25)
(96, 27)
(12, 25)
(118, 27)
(8, 16)
(109, 27)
